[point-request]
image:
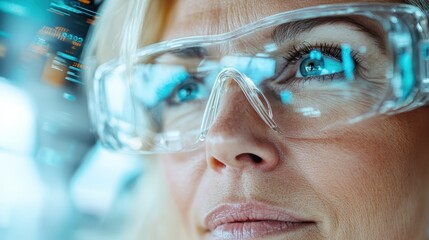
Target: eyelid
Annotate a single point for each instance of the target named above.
(298, 51)
(333, 50)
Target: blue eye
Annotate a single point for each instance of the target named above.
(189, 91)
(320, 65)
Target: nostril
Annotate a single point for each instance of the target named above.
(249, 157)
(255, 158)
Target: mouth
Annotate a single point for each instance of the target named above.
(252, 221)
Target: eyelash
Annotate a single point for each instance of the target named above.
(330, 49)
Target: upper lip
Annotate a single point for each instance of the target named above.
(248, 212)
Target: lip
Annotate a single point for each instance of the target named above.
(251, 220)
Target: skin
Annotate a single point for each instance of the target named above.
(369, 181)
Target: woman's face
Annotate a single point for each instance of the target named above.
(247, 182)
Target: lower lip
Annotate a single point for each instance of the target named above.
(254, 229)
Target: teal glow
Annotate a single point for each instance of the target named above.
(69, 97)
(425, 51)
(348, 63)
(154, 90)
(14, 9)
(286, 97)
(316, 55)
(67, 56)
(169, 84)
(4, 34)
(405, 61)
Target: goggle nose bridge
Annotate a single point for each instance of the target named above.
(252, 93)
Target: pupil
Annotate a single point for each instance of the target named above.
(187, 92)
(312, 67)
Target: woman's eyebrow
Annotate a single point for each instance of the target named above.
(287, 31)
(291, 30)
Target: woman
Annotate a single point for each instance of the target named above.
(308, 124)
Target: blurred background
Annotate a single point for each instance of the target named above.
(55, 180)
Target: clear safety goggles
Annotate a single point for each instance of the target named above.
(306, 73)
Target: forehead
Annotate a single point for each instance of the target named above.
(190, 17)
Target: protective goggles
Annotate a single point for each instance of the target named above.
(306, 73)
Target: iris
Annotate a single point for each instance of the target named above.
(317, 64)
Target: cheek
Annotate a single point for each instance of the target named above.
(353, 175)
(366, 178)
(341, 166)
(183, 174)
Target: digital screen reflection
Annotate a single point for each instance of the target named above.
(56, 182)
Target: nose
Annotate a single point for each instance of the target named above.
(238, 138)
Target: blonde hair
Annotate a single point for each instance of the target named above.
(156, 216)
(120, 31)
(125, 27)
